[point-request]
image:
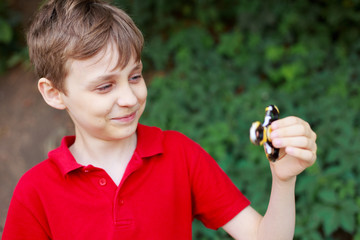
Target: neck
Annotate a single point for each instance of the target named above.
(112, 156)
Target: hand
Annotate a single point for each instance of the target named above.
(297, 143)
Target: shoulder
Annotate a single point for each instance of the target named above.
(153, 131)
(172, 145)
(150, 135)
(33, 181)
(177, 137)
(178, 145)
(176, 140)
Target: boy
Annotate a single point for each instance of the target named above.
(116, 178)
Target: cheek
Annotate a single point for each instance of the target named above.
(102, 109)
(96, 107)
(142, 94)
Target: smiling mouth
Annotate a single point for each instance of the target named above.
(125, 119)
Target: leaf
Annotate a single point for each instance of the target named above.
(329, 218)
(315, 236)
(5, 32)
(328, 196)
(347, 221)
(274, 53)
(230, 44)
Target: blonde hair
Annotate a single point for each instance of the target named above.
(79, 29)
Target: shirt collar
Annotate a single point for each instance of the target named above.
(149, 143)
(62, 156)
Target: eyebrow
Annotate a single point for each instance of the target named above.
(108, 76)
(138, 66)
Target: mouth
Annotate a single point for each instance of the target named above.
(125, 119)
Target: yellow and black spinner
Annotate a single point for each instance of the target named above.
(260, 133)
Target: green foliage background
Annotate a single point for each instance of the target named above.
(12, 47)
(213, 66)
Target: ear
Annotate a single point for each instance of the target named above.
(51, 95)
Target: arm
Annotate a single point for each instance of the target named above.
(26, 217)
(22, 224)
(297, 146)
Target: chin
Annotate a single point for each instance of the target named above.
(123, 133)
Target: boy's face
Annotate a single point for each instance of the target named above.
(104, 101)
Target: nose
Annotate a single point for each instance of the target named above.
(126, 96)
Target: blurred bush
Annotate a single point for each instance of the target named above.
(12, 43)
(212, 68)
(215, 65)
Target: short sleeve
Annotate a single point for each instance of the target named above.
(216, 200)
(24, 216)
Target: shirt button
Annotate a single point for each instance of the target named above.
(102, 181)
(121, 202)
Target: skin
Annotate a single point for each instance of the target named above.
(105, 103)
(297, 143)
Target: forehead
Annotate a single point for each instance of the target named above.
(107, 59)
(105, 63)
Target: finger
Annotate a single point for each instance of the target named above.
(307, 156)
(298, 142)
(285, 122)
(292, 131)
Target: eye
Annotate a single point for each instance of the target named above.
(135, 78)
(104, 88)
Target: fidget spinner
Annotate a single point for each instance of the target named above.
(260, 133)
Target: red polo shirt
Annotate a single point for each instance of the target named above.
(169, 181)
